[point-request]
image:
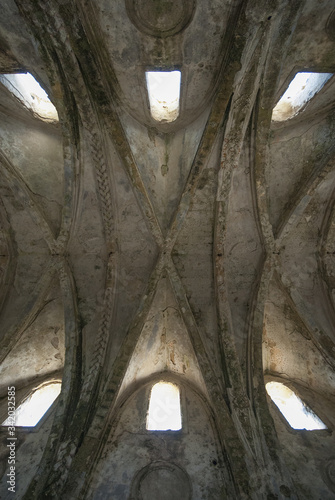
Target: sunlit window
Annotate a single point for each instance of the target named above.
(164, 91)
(164, 408)
(302, 88)
(30, 93)
(298, 415)
(30, 412)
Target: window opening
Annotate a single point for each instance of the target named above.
(302, 88)
(296, 412)
(30, 93)
(164, 91)
(30, 412)
(164, 408)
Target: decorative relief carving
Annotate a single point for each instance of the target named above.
(160, 18)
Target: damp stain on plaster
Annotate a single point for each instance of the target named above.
(164, 170)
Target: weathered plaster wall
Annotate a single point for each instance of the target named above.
(29, 449)
(309, 453)
(130, 448)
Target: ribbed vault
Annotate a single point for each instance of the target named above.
(200, 250)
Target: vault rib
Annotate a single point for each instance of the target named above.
(9, 274)
(32, 308)
(291, 216)
(328, 358)
(17, 183)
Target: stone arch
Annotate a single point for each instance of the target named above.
(161, 478)
(133, 457)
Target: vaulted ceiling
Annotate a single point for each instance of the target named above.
(203, 247)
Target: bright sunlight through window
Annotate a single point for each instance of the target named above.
(30, 412)
(164, 408)
(164, 91)
(302, 88)
(298, 415)
(30, 93)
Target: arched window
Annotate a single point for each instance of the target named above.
(25, 88)
(164, 408)
(296, 412)
(302, 88)
(32, 409)
(164, 90)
